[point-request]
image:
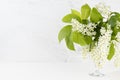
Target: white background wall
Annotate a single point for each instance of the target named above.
(29, 29)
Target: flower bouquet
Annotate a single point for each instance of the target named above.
(96, 30)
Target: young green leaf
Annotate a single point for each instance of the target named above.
(116, 14)
(75, 12)
(112, 21)
(69, 17)
(69, 42)
(115, 31)
(85, 21)
(95, 16)
(78, 38)
(88, 39)
(111, 52)
(85, 11)
(64, 32)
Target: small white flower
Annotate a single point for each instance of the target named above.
(118, 23)
(100, 51)
(86, 29)
(118, 36)
(104, 10)
(102, 30)
(85, 51)
(116, 57)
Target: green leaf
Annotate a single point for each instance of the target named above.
(88, 39)
(75, 12)
(64, 32)
(95, 16)
(115, 31)
(116, 14)
(112, 21)
(111, 52)
(85, 11)
(78, 38)
(84, 21)
(69, 17)
(69, 43)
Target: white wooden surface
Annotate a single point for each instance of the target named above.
(48, 71)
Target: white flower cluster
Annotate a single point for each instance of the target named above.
(100, 52)
(86, 29)
(118, 37)
(104, 10)
(118, 34)
(85, 51)
(117, 50)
